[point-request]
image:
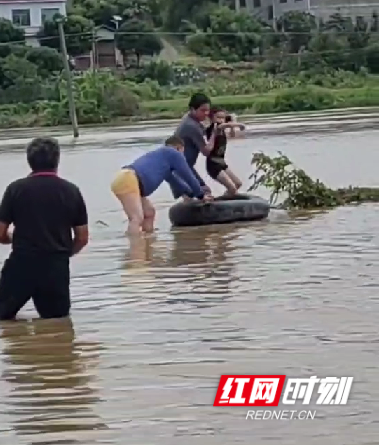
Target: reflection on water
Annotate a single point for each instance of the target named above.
(295, 295)
(193, 263)
(205, 246)
(50, 374)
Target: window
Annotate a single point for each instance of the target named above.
(283, 1)
(21, 17)
(243, 3)
(257, 3)
(48, 14)
(270, 12)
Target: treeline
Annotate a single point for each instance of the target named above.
(216, 32)
(297, 48)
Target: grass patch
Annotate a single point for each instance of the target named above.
(281, 101)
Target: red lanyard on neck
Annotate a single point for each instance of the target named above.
(44, 174)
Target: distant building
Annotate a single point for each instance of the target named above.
(31, 14)
(104, 53)
(269, 10)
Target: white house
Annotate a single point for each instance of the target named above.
(30, 14)
(270, 10)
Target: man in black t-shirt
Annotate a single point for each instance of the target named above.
(44, 210)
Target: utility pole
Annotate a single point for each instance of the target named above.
(70, 95)
(274, 18)
(93, 51)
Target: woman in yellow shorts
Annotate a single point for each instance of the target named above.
(135, 182)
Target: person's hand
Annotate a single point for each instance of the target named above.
(207, 198)
(206, 190)
(242, 127)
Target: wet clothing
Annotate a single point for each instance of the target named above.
(44, 278)
(165, 164)
(43, 209)
(216, 159)
(191, 132)
(127, 182)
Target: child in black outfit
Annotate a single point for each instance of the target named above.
(215, 164)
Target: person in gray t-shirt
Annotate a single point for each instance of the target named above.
(191, 131)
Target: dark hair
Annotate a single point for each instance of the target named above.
(197, 100)
(215, 110)
(174, 141)
(43, 154)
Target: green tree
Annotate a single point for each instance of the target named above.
(101, 12)
(78, 31)
(339, 23)
(231, 36)
(357, 35)
(134, 10)
(178, 14)
(47, 60)
(329, 49)
(7, 49)
(372, 58)
(138, 38)
(297, 27)
(10, 33)
(14, 68)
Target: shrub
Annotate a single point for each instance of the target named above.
(303, 99)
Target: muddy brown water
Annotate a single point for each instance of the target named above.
(155, 324)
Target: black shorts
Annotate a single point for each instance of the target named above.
(141, 189)
(215, 168)
(44, 279)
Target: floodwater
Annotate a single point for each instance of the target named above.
(155, 325)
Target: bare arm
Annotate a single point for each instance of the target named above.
(6, 217)
(81, 236)
(232, 125)
(175, 181)
(209, 144)
(182, 169)
(5, 235)
(80, 225)
(199, 139)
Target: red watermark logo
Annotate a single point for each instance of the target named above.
(249, 390)
(266, 390)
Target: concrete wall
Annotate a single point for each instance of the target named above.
(320, 8)
(35, 10)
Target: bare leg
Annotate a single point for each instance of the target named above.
(132, 205)
(224, 179)
(137, 250)
(236, 180)
(148, 215)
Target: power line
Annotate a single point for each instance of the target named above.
(314, 33)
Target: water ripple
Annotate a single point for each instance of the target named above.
(156, 323)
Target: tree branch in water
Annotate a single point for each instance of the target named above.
(281, 177)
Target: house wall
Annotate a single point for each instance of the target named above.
(269, 9)
(35, 8)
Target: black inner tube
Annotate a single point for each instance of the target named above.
(223, 210)
(232, 198)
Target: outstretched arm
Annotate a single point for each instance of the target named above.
(232, 125)
(182, 169)
(177, 183)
